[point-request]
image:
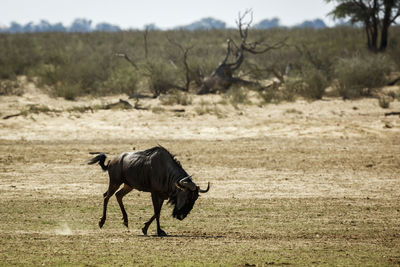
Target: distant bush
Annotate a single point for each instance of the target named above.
(10, 87)
(123, 79)
(199, 68)
(277, 93)
(358, 75)
(206, 107)
(162, 77)
(384, 101)
(68, 91)
(291, 89)
(18, 53)
(158, 110)
(176, 98)
(76, 64)
(237, 95)
(315, 83)
(393, 51)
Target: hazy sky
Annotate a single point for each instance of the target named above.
(164, 13)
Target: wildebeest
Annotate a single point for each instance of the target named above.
(154, 170)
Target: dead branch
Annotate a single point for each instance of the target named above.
(12, 115)
(222, 78)
(121, 103)
(145, 34)
(393, 113)
(185, 51)
(125, 56)
(178, 110)
(394, 81)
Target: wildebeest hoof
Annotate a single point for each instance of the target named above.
(162, 233)
(126, 224)
(144, 230)
(101, 222)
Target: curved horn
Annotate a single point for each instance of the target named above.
(206, 190)
(185, 178)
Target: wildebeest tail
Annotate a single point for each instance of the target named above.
(100, 159)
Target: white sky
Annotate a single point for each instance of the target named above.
(164, 13)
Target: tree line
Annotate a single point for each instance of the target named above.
(85, 25)
(78, 25)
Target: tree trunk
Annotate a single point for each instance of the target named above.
(386, 24)
(384, 37)
(374, 38)
(367, 31)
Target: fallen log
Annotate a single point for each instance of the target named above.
(393, 113)
(122, 103)
(12, 115)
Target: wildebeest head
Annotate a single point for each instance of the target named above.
(185, 197)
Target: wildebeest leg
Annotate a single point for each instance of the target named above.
(111, 190)
(157, 204)
(147, 224)
(120, 194)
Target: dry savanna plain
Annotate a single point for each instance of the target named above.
(302, 183)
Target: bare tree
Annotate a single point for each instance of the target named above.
(185, 51)
(222, 78)
(125, 56)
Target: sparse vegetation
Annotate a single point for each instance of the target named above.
(124, 80)
(237, 95)
(358, 76)
(315, 84)
(75, 64)
(157, 109)
(10, 87)
(176, 98)
(384, 101)
(206, 107)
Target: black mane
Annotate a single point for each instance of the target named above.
(158, 149)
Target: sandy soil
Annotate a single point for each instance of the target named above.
(287, 180)
(343, 127)
(326, 118)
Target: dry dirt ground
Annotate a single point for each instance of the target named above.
(304, 183)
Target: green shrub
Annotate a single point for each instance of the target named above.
(68, 91)
(237, 95)
(277, 93)
(122, 80)
(158, 110)
(357, 75)
(176, 98)
(384, 101)
(10, 87)
(393, 51)
(200, 68)
(18, 53)
(206, 107)
(162, 77)
(85, 63)
(315, 83)
(289, 91)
